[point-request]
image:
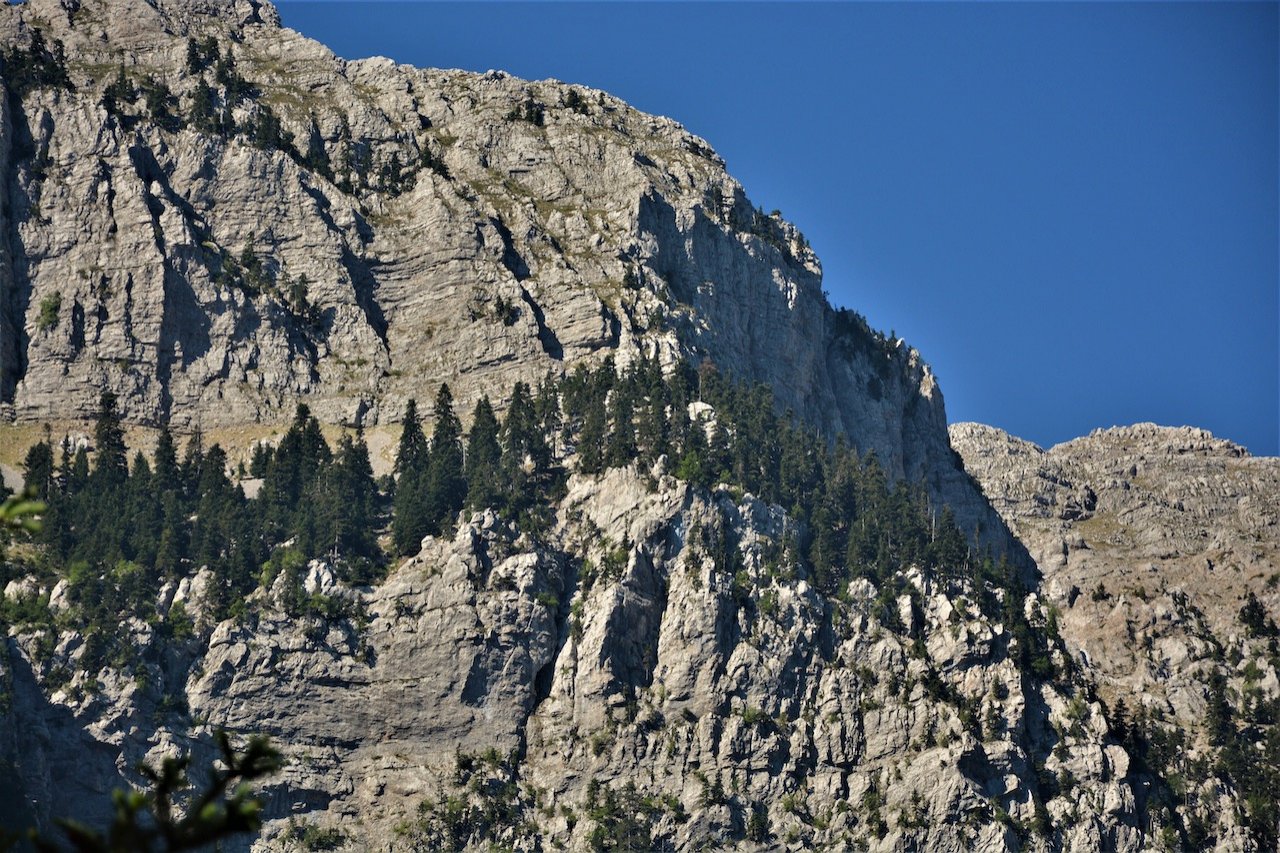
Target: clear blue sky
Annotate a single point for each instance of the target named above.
(1070, 209)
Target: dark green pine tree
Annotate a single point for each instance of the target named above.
(344, 498)
(546, 411)
(949, 550)
(171, 549)
(361, 496)
(142, 515)
(38, 469)
(412, 452)
(652, 427)
(204, 108)
(189, 471)
(79, 476)
(622, 431)
(484, 459)
(111, 463)
(523, 451)
(693, 466)
(215, 511)
(410, 521)
(446, 488)
(168, 476)
(194, 63)
(298, 460)
(260, 460)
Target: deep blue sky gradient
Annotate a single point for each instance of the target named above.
(1070, 209)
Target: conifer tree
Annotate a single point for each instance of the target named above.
(693, 466)
(79, 477)
(622, 433)
(38, 469)
(546, 410)
(483, 459)
(412, 452)
(411, 520)
(168, 477)
(446, 489)
(592, 438)
(260, 460)
(172, 545)
(300, 457)
(111, 464)
(192, 463)
(343, 498)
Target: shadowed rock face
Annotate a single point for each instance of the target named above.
(475, 229)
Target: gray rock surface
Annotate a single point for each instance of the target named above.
(618, 652)
(452, 238)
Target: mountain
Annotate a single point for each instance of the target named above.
(1160, 554)
(229, 233)
(730, 586)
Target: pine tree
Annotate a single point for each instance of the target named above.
(172, 545)
(192, 463)
(483, 459)
(260, 461)
(168, 477)
(546, 410)
(412, 452)
(193, 56)
(591, 440)
(38, 469)
(446, 489)
(693, 467)
(622, 434)
(79, 477)
(111, 465)
(344, 500)
(652, 428)
(411, 520)
(300, 457)
(204, 108)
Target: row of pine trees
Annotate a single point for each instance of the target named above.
(118, 530)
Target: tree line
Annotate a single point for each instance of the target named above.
(159, 518)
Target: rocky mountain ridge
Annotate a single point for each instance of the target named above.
(1153, 542)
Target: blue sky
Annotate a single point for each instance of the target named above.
(1070, 209)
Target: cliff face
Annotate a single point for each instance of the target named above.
(215, 240)
(451, 226)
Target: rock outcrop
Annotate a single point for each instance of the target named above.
(1150, 540)
(529, 684)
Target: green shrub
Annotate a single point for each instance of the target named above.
(50, 308)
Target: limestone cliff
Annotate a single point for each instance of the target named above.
(214, 217)
(451, 226)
